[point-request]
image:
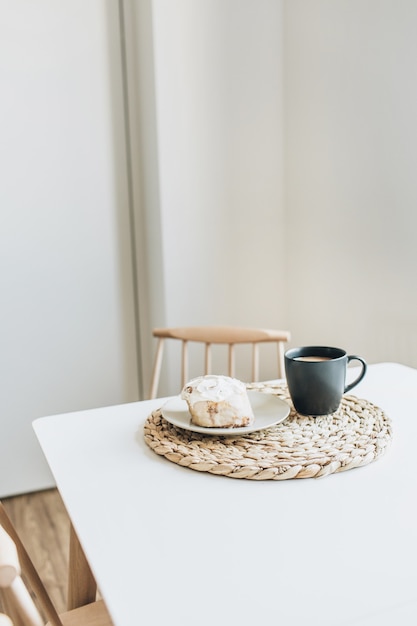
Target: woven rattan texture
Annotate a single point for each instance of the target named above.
(300, 447)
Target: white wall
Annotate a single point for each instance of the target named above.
(67, 314)
(351, 192)
(290, 131)
(218, 80)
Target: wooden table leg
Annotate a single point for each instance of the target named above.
(82, 587)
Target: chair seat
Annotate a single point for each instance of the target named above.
(222, 334)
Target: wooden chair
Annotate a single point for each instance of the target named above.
(208, 335)
(17, 569)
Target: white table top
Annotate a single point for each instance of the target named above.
(169, 545)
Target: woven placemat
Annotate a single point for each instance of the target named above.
(299, 447)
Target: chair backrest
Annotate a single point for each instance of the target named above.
(9, 534)
(17, 569)
(16, 597)
(209, 335)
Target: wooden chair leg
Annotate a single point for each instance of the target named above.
(207, 359)
(26, 613)
(184, 363)
(255, 362)
(156, 373)
(82, 587)
(281, 366)
(231, 360)
(33, 576)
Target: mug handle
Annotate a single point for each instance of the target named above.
(350, 358)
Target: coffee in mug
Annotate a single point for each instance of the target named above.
(316, 378)
(313, 359)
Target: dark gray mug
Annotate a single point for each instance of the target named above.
(316, 378)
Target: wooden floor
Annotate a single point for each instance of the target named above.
(43, 525)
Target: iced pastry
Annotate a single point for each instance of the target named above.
(218, 402)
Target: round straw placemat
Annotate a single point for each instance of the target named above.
(299, 447)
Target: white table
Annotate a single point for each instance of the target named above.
(169, 545)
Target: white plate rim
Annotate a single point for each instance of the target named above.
(175, 411)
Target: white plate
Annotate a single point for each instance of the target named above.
(268, 410)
